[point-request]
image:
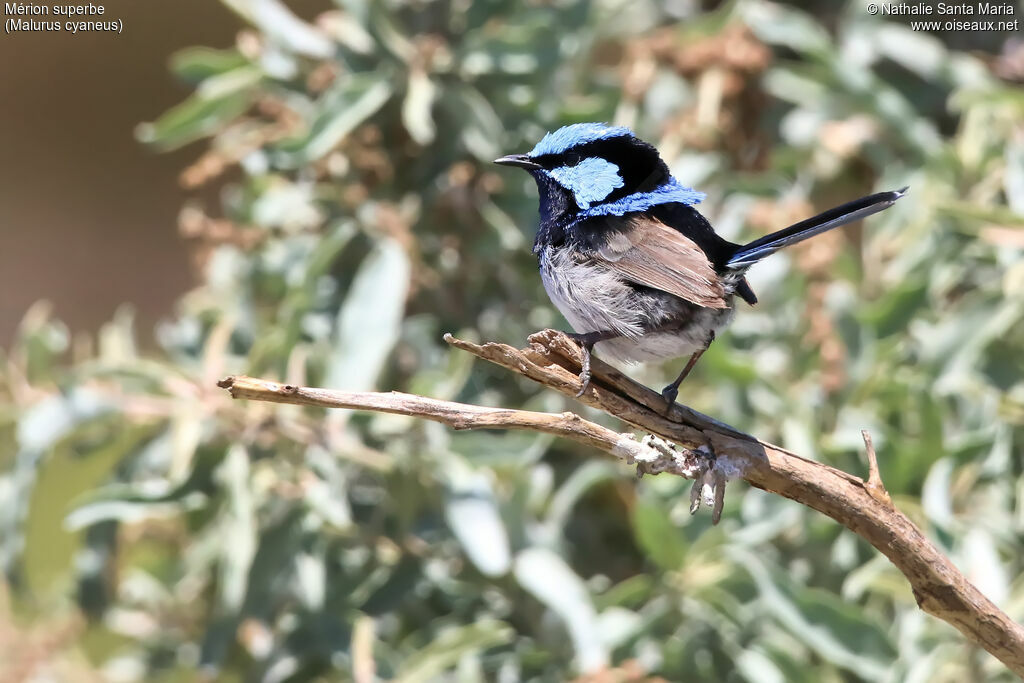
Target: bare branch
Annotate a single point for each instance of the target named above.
(648, 460)
(553, 360)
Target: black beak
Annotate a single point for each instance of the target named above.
(520, 160)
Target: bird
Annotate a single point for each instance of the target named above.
(625, 256)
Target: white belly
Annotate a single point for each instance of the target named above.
(654, 347)
(593, 298)
(590, 296)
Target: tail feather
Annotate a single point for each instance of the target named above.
(749, 254)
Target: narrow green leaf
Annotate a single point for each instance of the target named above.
(659, 538)
(193, 119)
(548, 578)
(370, 319)
(239, 529)
(195, 64)
(472, 514)
(838, 631)
(341, 112)
(416, 108)
(780, 25)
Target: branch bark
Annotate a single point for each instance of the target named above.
(864, 507)
(650, 456)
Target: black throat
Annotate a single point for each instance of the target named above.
(558, 208)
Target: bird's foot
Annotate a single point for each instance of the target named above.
(586, 342)
(670, 393)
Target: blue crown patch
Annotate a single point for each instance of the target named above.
(567, 137)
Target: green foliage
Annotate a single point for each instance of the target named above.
(267, 542)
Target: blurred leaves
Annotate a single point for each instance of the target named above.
(472, 514)
(342, 111)
(217, 102)
(546, 576)
(450, 648)
(370, 319)
(836, 630)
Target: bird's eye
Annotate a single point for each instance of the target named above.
(571, 159)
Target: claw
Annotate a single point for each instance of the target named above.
(585, 371)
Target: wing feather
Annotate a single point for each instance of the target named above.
(652, 254)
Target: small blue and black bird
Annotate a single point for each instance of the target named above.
(626, 257)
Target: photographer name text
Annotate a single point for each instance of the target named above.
(980, 16)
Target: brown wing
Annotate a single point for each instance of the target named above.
(652, 254)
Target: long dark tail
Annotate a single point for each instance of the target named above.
(749, 254)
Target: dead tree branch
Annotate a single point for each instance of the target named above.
(650, 457)
(862, 506)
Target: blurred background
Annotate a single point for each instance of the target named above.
(303, 191)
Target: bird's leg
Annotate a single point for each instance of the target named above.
(670, 392)
(586, 340)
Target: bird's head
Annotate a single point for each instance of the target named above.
(588, 169)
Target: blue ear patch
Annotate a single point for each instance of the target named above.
(590, 181)
(574, 135)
